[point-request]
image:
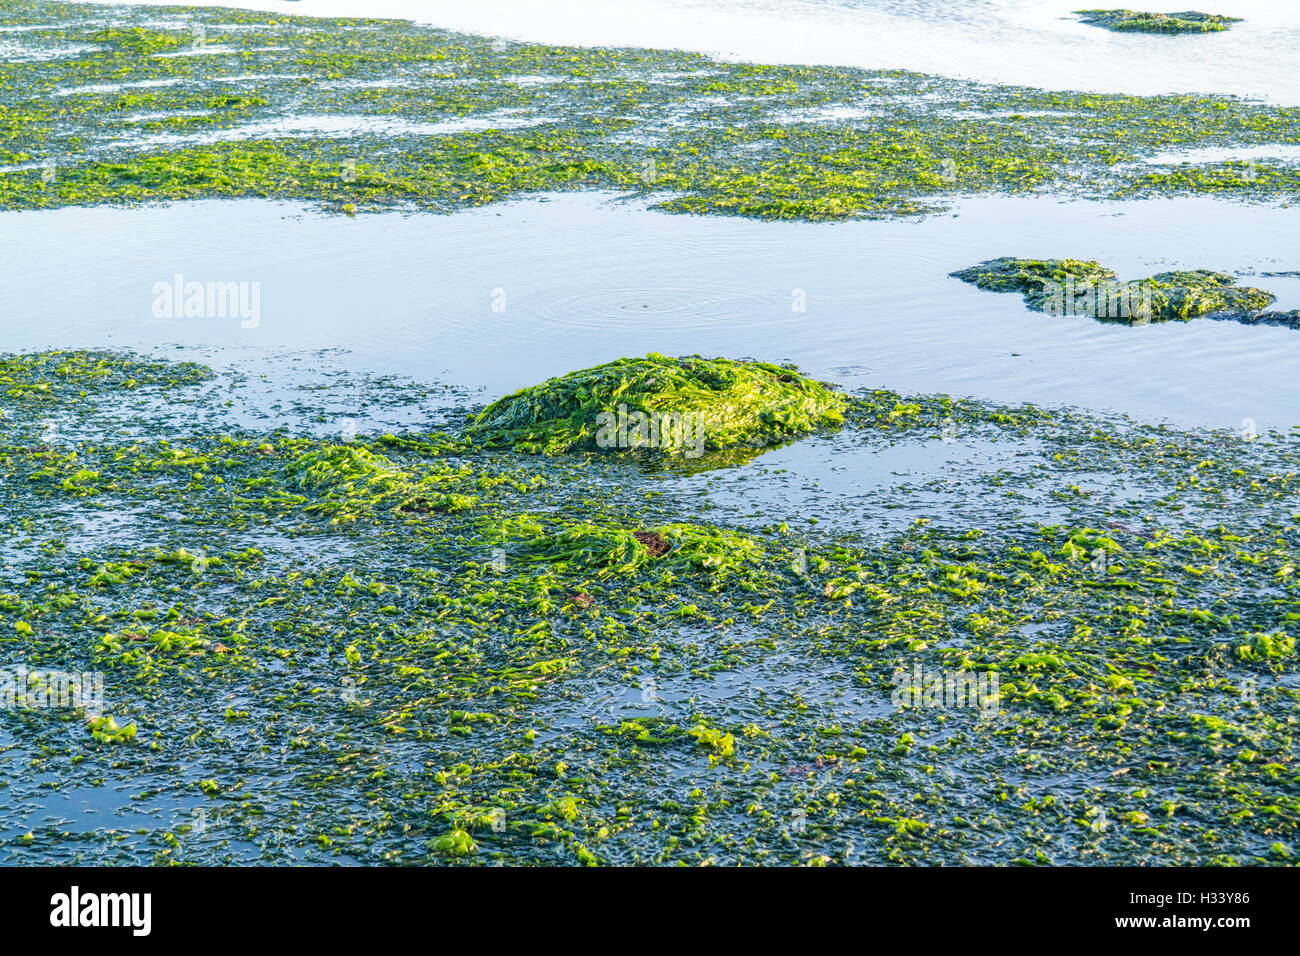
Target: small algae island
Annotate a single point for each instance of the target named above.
(1075, 287)
(1134, 21)
(720, 403)
(441, 646)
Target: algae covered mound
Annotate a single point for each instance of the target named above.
(1084, 287)
(1134, 21)
(670, 406)
(1033, 278)
(1186, 295)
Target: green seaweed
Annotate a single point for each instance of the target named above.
(713, 404)
(54, 378)
(434, 120)
(619, 551)
(591, 667)
(105, 730)
(1080, 287)
(1134, 21)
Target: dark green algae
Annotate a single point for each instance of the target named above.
(1135, 21)
(320, 671)
(689, 133)
(1085, 287)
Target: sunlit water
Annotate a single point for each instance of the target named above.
(1026, 42)
(498, 298)
(502, 297)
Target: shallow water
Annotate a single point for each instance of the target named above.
(421, 295)
(1024, 42)
(858, 488)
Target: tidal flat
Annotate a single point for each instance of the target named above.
(363, 587)
(129, 105)
(408, 647)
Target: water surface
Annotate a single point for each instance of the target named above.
(1024, 42)
(495, 299)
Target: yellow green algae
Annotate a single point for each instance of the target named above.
(111, 105)
(1085, 287)
(661, 405)
(1134, 21)
(592, 665)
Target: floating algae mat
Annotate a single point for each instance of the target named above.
(305, 650)
(669, 406)
(1133, 21)
(1084, 287)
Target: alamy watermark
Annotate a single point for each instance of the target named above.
(24, 687)
(930, 687)
(670, 431)
(208, 300)
(1098, 300)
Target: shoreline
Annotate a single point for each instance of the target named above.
(363, 115)
(1038, 40)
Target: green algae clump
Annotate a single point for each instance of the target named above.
(105, 730)
(352, 480)
(1084, 287)
(1186, 295)
(1134, 21)
(669, 406)
(1032, 278)
(621, 551)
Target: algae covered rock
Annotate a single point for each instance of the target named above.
(668, 406)
(1084, 287)
(1290, 320)
(1186, 295)
(1032, 278)
(1134, 21)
